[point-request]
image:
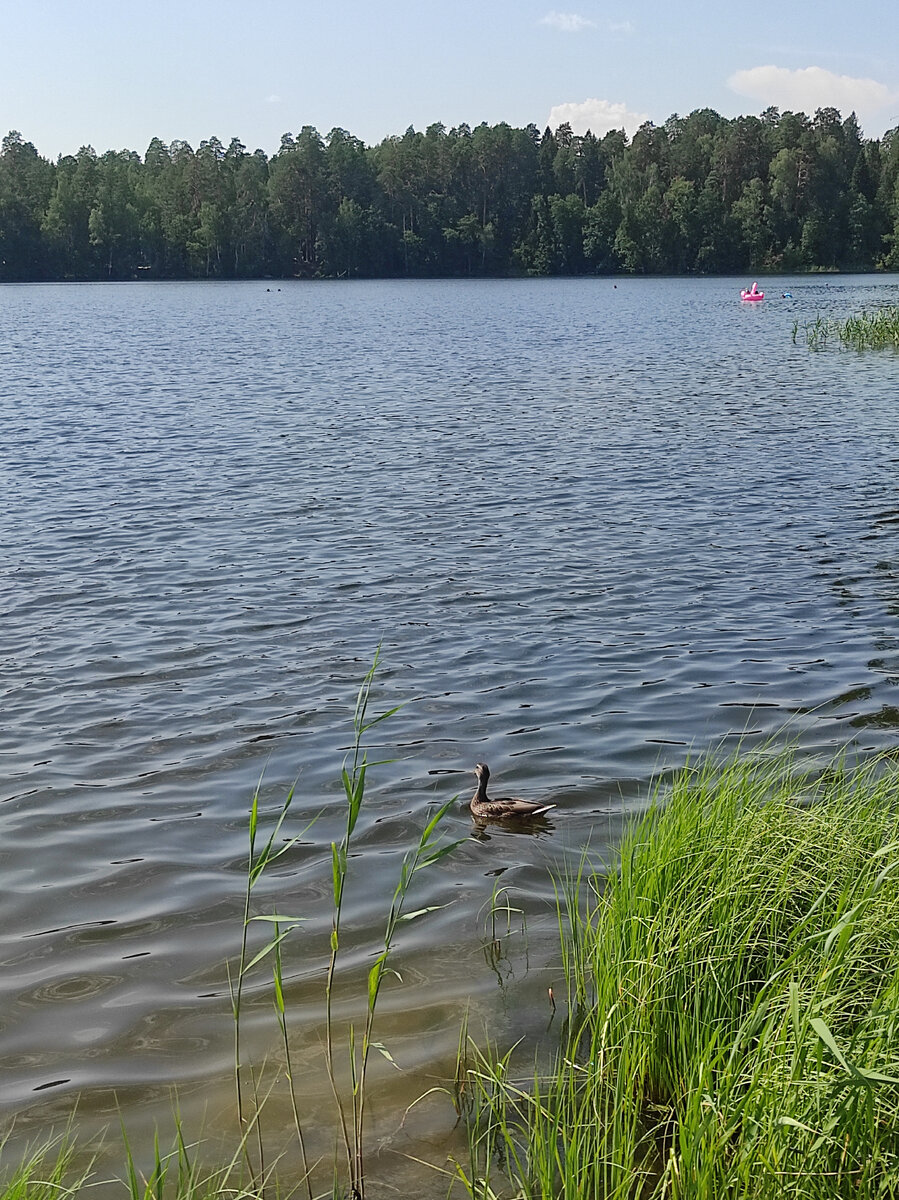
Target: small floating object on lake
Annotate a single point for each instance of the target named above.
(752, 293)
(786, 295)
(504, 807)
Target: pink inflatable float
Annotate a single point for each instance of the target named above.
(752, 293)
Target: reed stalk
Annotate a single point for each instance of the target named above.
(350, 1100)
(867, 330)
(258, 862)
(428, 851)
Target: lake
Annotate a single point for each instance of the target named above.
(598, 528)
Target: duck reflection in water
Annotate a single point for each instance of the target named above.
(525, 816)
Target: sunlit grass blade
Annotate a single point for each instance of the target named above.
(733, 989)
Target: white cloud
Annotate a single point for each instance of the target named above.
(567, 22)
(621, 27)
(599, 116)
(273, 99)
(810, 88)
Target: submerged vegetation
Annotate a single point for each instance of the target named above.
(701, 193)
(863, 331)
(734, 1005)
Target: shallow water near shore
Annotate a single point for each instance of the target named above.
(597, 528)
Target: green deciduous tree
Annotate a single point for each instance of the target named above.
(699, 193)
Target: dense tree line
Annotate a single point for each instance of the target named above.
(700, 193)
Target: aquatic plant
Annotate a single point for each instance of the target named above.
(180, 1173)
(350, 1100)
(733, 1005)
(47, 1172)
(732, 1024)
(865, 331)
(258, 860)
(44, 1172)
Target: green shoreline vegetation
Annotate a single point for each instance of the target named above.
(732, 1023)
(866, 330)
(699, 194)
(734, 1004)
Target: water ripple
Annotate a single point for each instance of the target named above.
(596, 531)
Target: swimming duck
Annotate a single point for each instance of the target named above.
(485, 809)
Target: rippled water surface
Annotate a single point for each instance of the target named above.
(595, 528)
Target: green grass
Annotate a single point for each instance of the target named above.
(348, 1087)
(51, 1171)
(45, 1172)
(864, 331)
(733, 1000)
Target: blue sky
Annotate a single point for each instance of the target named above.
(115, 73)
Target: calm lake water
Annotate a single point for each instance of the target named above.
(596, 529)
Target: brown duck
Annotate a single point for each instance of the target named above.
(485, 809)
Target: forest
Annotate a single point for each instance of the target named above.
(698, 194)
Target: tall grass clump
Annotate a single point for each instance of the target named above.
(178, 1174)
(44, 1172)
(863, 331)
(733, 996)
